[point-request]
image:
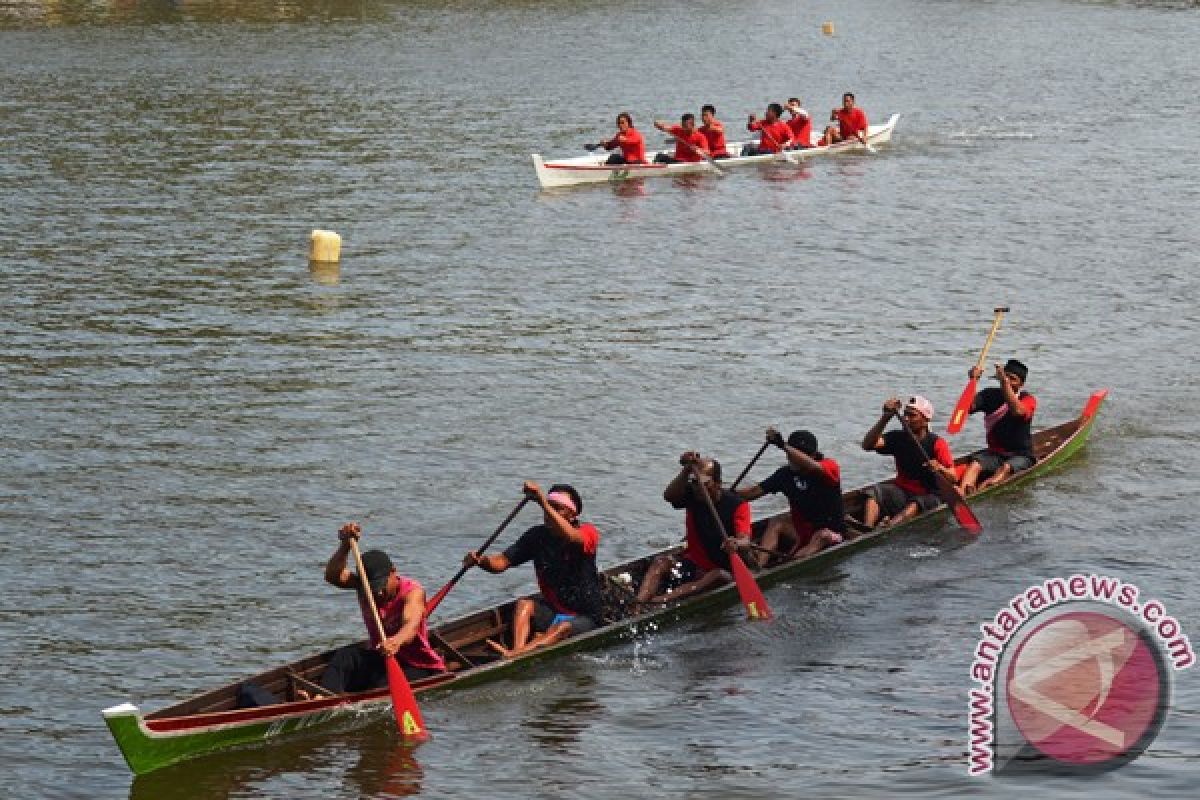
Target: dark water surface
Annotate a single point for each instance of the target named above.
(189, 412)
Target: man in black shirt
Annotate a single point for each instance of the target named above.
(563, 552)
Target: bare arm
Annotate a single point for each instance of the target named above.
(414, 615)
(874, 437)
(336, 573)
(750, 493)
(676, 492)
(495, 564)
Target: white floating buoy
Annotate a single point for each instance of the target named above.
(325, 247)
(827, 29)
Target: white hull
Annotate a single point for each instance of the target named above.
(592, 169)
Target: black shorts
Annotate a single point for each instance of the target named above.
(990, 462)
(545, 617)
(892, 499)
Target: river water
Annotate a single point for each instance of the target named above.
(190, 411)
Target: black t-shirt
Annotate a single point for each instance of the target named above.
(817, 500)
(1011, 433)
(910, 460)
(566, 571)
(703, 531)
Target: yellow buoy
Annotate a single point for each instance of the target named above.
(326, 247)
(827, 29)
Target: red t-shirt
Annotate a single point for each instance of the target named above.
(682, 151)
(633, 146)
(801, 127)
(417, 653)
(775, 134)
(715, 137)
(851, 122)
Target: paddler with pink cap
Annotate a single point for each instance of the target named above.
(563, 552)
(914, 489)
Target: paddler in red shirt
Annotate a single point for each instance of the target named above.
(690, 144)
(800, 123)
(713, 131)
(629, 139)
(851, 122)
(775, 133)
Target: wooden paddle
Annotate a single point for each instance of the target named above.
(749, 466)
(959, 417)
(404, 703)
(946, 490)
(752, 596)
(441, 593)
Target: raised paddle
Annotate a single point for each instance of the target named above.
(946, 490)
(437, 598)
(959, 417)
(404, 703)
(752, 596)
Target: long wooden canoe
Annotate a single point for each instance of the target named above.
(592, 169)
(211, 722)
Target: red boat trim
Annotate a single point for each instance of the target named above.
(282, 710)
(609, 167)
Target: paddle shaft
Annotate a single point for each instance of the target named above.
(441, 594)
(963, 407)
(750, 466)
(999, 313)
(950, 496)
(366, 587)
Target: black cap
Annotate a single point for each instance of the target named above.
(1014, 367)
(378, 567)
(803, 441)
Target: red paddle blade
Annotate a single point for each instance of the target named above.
(966, 517)
(404, 703)
(959, 417)
(752, 596)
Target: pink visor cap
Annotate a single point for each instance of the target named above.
(562, 499)
(923, 406)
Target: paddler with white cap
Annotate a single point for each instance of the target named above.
(914, 489)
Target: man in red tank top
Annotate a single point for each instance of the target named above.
(401, 604)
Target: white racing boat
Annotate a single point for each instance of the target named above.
(592, 169)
